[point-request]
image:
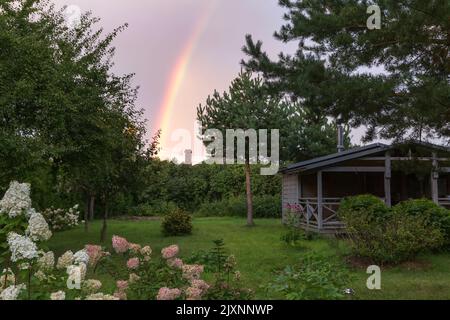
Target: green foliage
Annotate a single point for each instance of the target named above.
(294, 233)
(388, 236)
(68, 125)
(177, 223)
(372, 208)
(18, 224)
(314, 278)
(155, 274)
(226, 284)
(264, 207)
(188, 187)
(432, 214)
(204, 258)
(334, 47)
(156, 209)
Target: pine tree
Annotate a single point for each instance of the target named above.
(245, 106)
(328, 74)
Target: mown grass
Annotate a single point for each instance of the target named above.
(259, 252)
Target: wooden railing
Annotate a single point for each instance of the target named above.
(309, 216)
(445, 202)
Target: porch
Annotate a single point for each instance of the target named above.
(318, 191)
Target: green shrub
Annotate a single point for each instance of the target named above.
(177, 223)
(373, 208)
(432, 214)
(387, 236)
(314, 278)
(263, 207)
(293, 233)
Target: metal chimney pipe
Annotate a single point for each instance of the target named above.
(340, 146)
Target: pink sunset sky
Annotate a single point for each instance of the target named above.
(181, 50)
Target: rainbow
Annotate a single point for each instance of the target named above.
(179, 71)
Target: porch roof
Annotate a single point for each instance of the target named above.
(336, 158)
(354, 153)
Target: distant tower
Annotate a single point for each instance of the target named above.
(188, 157)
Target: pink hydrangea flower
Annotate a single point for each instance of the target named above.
(122, 285)
(168, 294)
(135, 248)
(95, 253)
(133, 263)
(175, 263)
(193, 293)
(121, 295)
(192, 272)
(170, 252)
(200, 284)
(120, 244)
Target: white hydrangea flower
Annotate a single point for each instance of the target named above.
(77, 273)
(16, 200)
(60, 295)
(40, 275)
(47, 261)
(38, 229)
(101, 296)
(12, 292)
(65, 260)
(92, 286)
(24, 266)
(21, 247)
(81, 257)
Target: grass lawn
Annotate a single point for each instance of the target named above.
(259, 251)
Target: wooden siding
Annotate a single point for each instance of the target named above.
(290, 190)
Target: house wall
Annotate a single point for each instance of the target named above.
(290, 190)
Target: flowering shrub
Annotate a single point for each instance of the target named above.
(60, 219)
(162, 278)
(120, 245)
(32, 272)
(226, 283)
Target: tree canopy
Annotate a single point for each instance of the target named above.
(332, 72)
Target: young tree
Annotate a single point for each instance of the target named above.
(245, 106)
(409, 99)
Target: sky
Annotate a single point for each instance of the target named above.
(181, 51)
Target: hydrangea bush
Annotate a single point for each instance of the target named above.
(60, 219)
(32, 272)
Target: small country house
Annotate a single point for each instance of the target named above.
(393, 173)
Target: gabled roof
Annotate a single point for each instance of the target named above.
(355, 153)
(336, 158)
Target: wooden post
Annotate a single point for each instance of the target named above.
(320, 200)
(387, 180)
(435, 180)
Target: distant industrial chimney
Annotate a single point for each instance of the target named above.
(340, 145)
(188, 157)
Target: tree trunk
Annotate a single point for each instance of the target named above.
(105, 224)
(86, 215)
(248, 185)
(91, 208)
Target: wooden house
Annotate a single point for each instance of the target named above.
(393, 173)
